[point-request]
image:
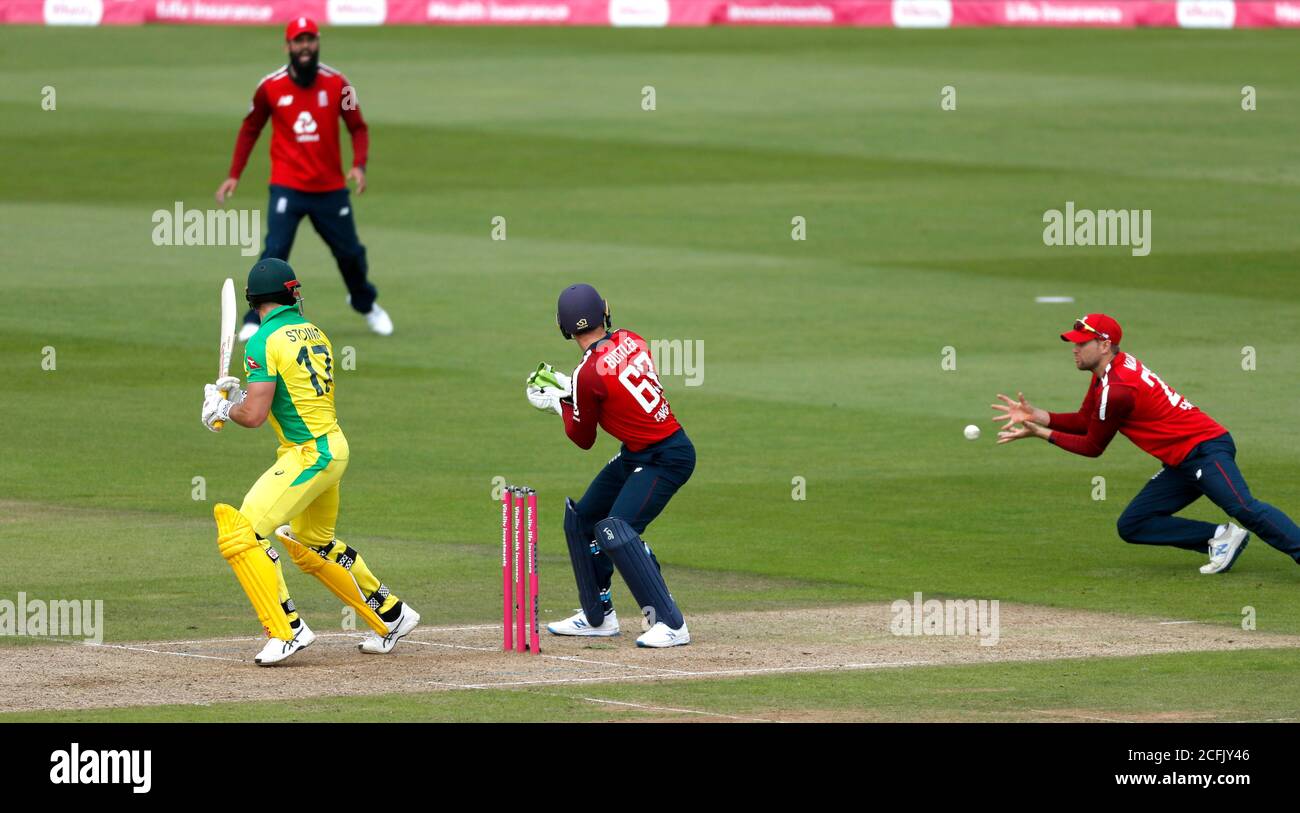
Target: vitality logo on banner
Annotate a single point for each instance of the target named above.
(922, 13)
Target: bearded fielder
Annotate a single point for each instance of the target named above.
(304, 101)
(289, 364)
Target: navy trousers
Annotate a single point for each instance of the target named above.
(331, 215)
(635, 487)
(1211, 470)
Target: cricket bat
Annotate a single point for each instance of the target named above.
(227, 334)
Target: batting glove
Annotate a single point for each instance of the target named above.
(215, 408)
(230, 386)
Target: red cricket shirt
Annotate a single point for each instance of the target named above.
(616, 387)
(304, 130)
(1131, 399)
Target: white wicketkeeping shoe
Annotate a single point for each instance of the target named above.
(577, 625)
(407, 621)
(277, 650)
(248, 330)
(1225, 547)
(661, 635)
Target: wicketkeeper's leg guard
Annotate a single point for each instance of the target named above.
(630, 555)
(254, 567)
(337, 578)
(582, 553)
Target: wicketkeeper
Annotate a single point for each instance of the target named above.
(290, 364)
(615, 386)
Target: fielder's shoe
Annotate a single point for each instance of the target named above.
(1225, 547)
(661, 635)
(577, 625)
(407, 621)
(378, 319)
(246, 332)
(277, 650)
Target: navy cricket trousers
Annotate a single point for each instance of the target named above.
(331, 215)
(635, 487)
(1210, 469)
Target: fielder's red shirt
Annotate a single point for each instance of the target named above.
(304, 130)
(616, 386)
(1131, 399)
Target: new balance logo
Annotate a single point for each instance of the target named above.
(285, 101)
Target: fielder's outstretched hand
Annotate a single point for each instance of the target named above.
(1018, 411)
(1027, 430)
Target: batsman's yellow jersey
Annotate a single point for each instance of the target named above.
(297, 357)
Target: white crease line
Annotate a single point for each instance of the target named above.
(457, 629)
(1078, 716)
(165, 652)
(679, 711)
(318, 635)
(1171, 623)
(576, 659)
(451, 646)
(715, 673)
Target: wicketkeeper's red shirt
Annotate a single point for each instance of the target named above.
(1130, 399)
(304, 130)
(616, 387)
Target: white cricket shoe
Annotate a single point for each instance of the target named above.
(1225, 547)
(248, 331)
(407, 621)
(378, 319)
(577, 625)
(277, 650)
(661, 635)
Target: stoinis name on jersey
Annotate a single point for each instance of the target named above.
(310, 333)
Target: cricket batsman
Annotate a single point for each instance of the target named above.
(615, 387)
(304, 101)
(290, 363)
(1198, 454)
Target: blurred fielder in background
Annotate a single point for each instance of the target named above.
(289, 364)
(1198, 454)
(615, 386)
(304, 101)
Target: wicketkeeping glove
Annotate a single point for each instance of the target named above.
(547, 378)
(544, 399)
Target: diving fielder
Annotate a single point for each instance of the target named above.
(1198, 454)
(304, 101)
(615, 387)
(290, 363)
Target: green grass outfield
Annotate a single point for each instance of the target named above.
(822, 357)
